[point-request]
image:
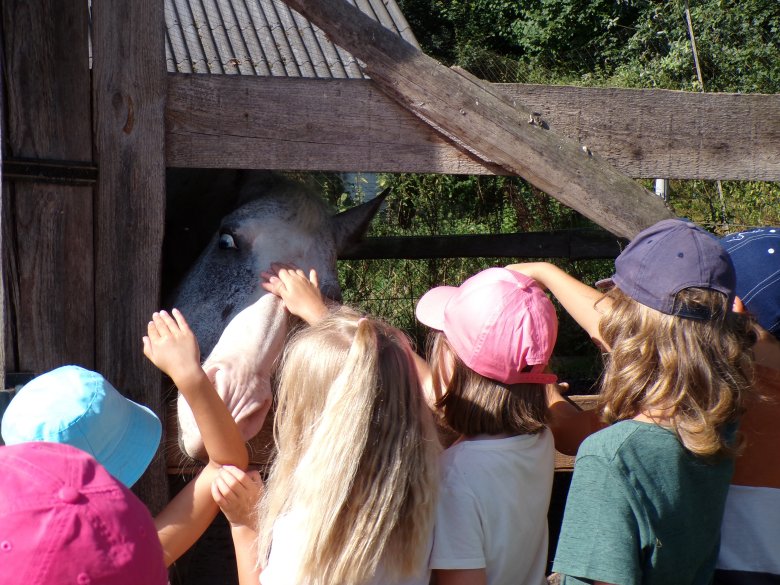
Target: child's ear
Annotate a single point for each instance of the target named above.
(738, 306)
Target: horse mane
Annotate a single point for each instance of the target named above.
(298, 203)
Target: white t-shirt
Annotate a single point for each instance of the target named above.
(285, 558)
(492, 510)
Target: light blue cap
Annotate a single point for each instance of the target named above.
(81, 408)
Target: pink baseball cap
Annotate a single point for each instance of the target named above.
(499, 323)
(65, 519)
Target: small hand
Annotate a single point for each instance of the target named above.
(170, 345)
(299, 293)
(236, 493)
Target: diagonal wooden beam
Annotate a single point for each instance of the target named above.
(483, 121)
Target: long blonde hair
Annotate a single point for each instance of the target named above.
(357, 452)
(697, 371)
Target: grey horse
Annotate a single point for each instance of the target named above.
(241, 327)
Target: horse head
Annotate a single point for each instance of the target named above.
(240, 327)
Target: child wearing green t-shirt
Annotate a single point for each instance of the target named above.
(648, 491)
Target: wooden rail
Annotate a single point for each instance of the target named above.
(350, 125)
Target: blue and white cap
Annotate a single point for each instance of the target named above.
(756, 257)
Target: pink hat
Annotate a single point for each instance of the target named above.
(65, 519)
(499, 323)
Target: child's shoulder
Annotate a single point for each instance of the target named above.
(467, 456)
(627, 438)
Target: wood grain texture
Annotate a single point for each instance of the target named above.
(661, 133)
(129, 97)
(350, 125)
(471, 113)
(50, 275)
(47, 229)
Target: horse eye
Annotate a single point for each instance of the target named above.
(226, 242)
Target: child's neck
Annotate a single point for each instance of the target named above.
(656, 416)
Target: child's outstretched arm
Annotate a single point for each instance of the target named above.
(577, 298)
(237, 494)
(299, 293)
(171, 346)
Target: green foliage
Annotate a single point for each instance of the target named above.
(623, 43)
(737, 44)
(615, 43)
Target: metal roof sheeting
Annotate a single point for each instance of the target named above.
(262, 37)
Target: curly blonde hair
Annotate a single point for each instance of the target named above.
(357, 453)
(696, 371)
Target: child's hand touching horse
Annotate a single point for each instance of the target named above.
(300, 294)
(171, 346)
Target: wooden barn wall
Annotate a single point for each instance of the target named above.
(350, 125)
(129, 89)
(48, 258)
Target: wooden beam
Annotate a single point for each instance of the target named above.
(572, 244)
(349, 125)
(473, 115)
(129, 82)
(649, 133)
(284, 123)
(47, 229)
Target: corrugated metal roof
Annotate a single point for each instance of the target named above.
(262, 37)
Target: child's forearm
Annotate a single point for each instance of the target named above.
(569, 424)
(244, 542)
(577, 298)
(186, 517)
(221, 437)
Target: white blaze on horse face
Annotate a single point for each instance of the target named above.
(240, 367)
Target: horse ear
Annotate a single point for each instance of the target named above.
(349, 226)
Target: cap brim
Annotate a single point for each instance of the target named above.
(137, 447)
(430, 308)
(605, 284)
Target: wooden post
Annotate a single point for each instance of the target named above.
(129, 82)
(47, 228)
(468, 112)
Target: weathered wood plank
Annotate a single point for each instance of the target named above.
(572, 244)
(349, 125)
(472, 113)
(299, 124)
(129, 97)
(47, 229)
(50, 271)
(662, 133)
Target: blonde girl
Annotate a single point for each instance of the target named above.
(648, 492)
(350, 498)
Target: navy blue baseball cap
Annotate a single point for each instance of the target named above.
(668, 257)
(756, 257)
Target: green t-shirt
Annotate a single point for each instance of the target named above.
(642, 509)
